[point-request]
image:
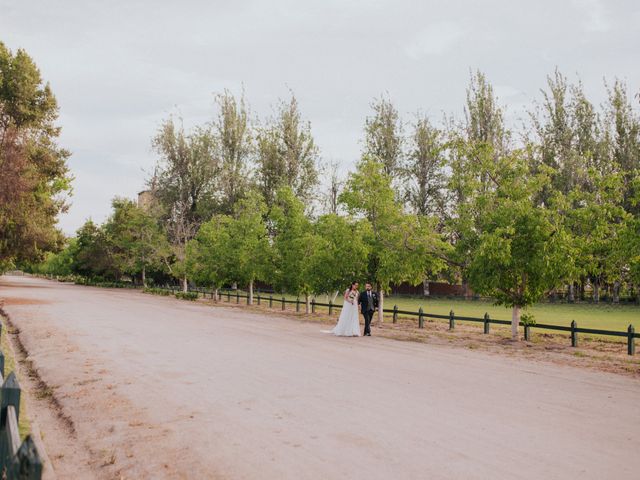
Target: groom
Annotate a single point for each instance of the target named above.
(368, 303)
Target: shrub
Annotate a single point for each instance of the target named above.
(187, 295)
(157, 291)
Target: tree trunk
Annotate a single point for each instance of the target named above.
(596, 290)
(380, 307)
(425, 287)
(616, 292)
(515, 321)
(571, 297)
(335, 295)
(465, 288)
(251, 292)
(144, 277)
(307, 303)
(185, 285)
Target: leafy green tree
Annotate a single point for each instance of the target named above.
(208, 257)
(523, 250)
(341, 253)
(94, 254)
(34, 176)
(293, 244)
(401, 247)
(623, 128)
(234, 145)
(184, 186)
(287, 155)
(424, 171)
(250, 250)
(384, 136)
(138, 243)
(59, 263)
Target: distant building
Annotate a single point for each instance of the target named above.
(145, 200)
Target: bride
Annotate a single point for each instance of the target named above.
(349, 321)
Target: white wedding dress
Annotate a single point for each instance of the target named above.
(349, 321)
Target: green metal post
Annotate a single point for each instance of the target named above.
(395, 314)
(527, 333)
(420, 318)
(283, 304)
(330, 307)
(452, 320)
(486, 323)
(313, 305)
(574, 334)
(270, 301)
(631, 344)
(298, 304)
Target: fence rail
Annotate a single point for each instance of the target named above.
(574, 330)
(18, 461)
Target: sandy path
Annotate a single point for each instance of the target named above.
(161, 388)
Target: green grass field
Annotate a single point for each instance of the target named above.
(603, 316)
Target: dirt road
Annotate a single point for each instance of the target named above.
(155, 387)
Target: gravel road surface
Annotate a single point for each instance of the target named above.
(154, 387)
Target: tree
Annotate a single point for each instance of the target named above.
(401, 247)
(523, 250)
(208, 258)
(484, 122)
(234, 144)
(287, 155)
(34, 176)
(250, 251)
(293, 245)
(623, 125)
(383, 136)
(93, 255)
(137, 241)
(424, 171)
(340, 254)
(184, 186)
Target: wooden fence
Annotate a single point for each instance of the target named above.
(18, 461)
(573, 329)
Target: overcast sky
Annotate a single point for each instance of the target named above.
(119, 67)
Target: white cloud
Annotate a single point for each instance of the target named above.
(436, 39)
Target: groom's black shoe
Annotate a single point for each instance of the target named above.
(367, 334)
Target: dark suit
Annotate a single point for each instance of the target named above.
(368, 304)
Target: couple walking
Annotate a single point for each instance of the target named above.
(349, 323)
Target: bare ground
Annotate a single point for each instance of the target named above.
(137, 386)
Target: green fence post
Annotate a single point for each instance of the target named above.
(313, 305)
(574, 334)
(452, 320)
(258, 299)
(527, 333)
(330, 307)
(395, 314)
(298, 304)
(283, 304)
(420, 318)
(486, 323)
(270, 301)
(10, 396)
(631, 344)
(228, 296)
(237, 297)
(27, 463)
(2, 363)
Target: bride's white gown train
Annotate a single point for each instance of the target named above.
(349, 321)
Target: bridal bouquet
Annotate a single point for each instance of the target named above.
(352, 296)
